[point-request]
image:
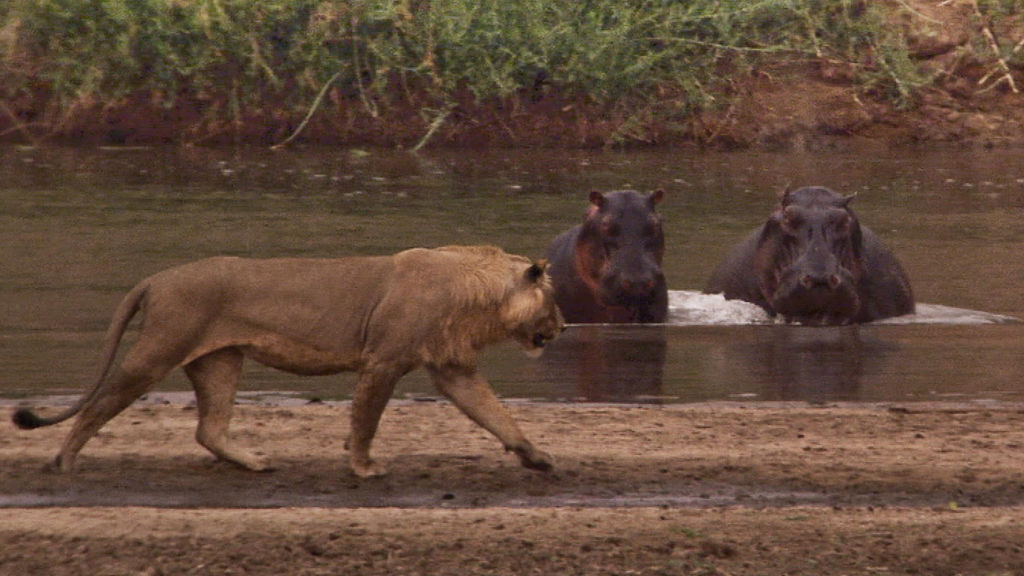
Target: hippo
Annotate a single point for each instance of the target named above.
(813, 263)
(608, 269)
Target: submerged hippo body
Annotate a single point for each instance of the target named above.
(608, 269)
(812, 262)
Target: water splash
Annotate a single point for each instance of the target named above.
(692, 308)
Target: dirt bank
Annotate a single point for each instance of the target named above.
(695, 489)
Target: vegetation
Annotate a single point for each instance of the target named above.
(258, 68)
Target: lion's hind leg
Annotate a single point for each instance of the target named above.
(127, 384)
(215, 379)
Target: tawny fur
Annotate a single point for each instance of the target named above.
(379, 316)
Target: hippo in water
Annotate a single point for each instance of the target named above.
(813, 263)
(608, 269)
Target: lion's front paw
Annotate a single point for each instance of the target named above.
(258, 463)
(247, 460)
(368, 468)
(534, 459)
(61, 464)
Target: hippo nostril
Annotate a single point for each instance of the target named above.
(831, 281)
(641, 287)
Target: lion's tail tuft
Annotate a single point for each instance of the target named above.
(27, 420)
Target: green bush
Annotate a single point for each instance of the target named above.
(246, 57)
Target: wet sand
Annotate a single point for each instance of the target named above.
(718, 488)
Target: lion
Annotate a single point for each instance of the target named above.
(379, 316)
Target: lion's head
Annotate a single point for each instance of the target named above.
(530, 313)
(488, 296)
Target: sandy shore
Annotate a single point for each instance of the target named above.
(716, 488)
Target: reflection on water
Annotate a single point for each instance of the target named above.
(605, 363)
(714, 349)
(80, 227)
(798, 363)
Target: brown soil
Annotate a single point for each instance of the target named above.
(685, 489)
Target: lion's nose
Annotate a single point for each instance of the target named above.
(539, 340)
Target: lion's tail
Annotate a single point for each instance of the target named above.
(27, 419)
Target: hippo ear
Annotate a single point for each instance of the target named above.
(597, 199)
(845, 201)
(656, 197)
(537, 270)
(784, 193)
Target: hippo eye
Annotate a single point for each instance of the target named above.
(792, 220)
(652, 228)
(611, 233)
(840, 221)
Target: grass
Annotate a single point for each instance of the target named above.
(245, 61)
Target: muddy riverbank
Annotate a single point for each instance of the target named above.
(719, 488)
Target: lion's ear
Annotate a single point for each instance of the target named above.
(537, 270)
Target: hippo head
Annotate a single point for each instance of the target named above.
(626, 245)
(809, 258)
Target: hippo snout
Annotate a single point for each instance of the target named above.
(642, 287)
(817, 297)
(632, 288)
(826, 281)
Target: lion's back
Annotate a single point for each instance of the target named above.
(323, 302)
(460, 276)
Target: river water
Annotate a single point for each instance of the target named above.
(78, 227)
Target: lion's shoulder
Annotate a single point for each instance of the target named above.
(476, 254)
(466, 274)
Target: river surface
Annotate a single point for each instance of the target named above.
(78, 227)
